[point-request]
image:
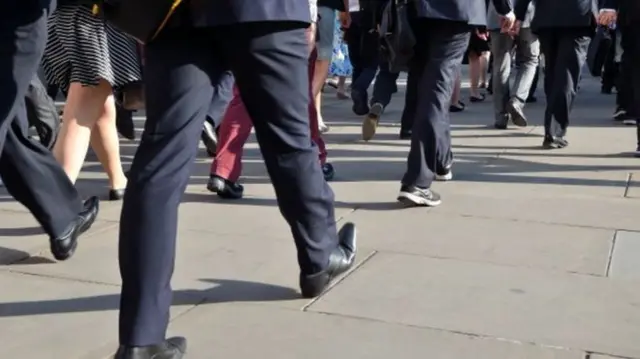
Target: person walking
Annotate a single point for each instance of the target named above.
(509, 102)
(442, 30)
(28, 170)
(268, 56)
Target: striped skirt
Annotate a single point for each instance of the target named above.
(82, 48)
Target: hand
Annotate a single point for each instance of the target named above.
(607, 17)
(507, 21)
(515, 30)
(483, 35)
(345, 19)
(311, 36)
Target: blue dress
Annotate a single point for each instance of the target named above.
(340, 64)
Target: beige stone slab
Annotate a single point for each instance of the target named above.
(589, 212)
(222, 268)
(601, 356)
(250, 332)
(51, 318)
(564, 248)
(633, 189)
(550, 308)
(21, 237)
(624, 257)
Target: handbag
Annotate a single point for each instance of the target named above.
(599, 50)
(141, 19)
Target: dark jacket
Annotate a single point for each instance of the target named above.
(472, 12)
(218, 12)
(559, 13)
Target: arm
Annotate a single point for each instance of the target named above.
(503, 7)
(521, 9)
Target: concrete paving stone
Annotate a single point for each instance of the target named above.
(51, 318)
(21, 237)
(249, 332)
(624, 258)
(221, 268)
(601, 356)
(564, 248)
(633, 189)
(548, 308)
(589, 211)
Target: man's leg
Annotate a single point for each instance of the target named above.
(501, 45)
(430, 152)
(383, 89)
(527, 55)
(179, 71)
(572, 52)
(270, 65)
(29, 171)
(549, 48)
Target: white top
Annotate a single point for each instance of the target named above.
(354, 5)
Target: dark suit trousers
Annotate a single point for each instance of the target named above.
(29, 171)
(565, 51)
(630, 70)
(183, 66)
(223, 93)
(440, 47)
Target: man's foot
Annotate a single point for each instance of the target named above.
(514, 107)
(328, 171)
(360, 105)
(502, 121)
(370, 122)
(551, 143)
(172, 348)
(445, 175)
(341, 260)
(619, 114)
(64, 246)
(224, 188)
(606, 90)
(209, 138)
(413, 196)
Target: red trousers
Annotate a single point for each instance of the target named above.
(236, 127)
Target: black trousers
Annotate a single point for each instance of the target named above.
(29, 171)
(610, 68)
(183, 67)
(222, 95)
(438, 57)
(565, 52)
(630, 72)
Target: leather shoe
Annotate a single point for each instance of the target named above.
(64, 246)
(341, 260)
(172, 348)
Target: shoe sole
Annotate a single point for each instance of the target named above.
(370, 122)
(444, 178)
(517, 117)
(61, 255)
(411, 200)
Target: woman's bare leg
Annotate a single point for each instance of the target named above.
(106, 145)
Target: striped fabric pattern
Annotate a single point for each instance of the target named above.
(83, 48)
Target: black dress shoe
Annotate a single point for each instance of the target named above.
(405, 134)
(64, 246)
(116, 194)
(341, 260)
(550, 143)
(172, 348)
(225, 188)
(328, 171)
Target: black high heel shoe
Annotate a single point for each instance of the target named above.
(116, 194)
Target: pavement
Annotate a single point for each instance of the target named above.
(532, 255)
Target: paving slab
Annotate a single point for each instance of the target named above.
(530, 305)
(249, 332)
(625, 263)
(502, 241)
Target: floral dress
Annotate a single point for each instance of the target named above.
(340, 64)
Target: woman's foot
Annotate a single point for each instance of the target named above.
(225, 188)
(476, 98)
(116, 194)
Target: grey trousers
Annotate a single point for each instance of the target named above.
(527, 51)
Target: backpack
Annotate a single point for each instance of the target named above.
(396, 34)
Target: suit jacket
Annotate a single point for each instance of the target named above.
(472, 12)
(206, 13)
(559, 13)
(493, 19)
(628, 10)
